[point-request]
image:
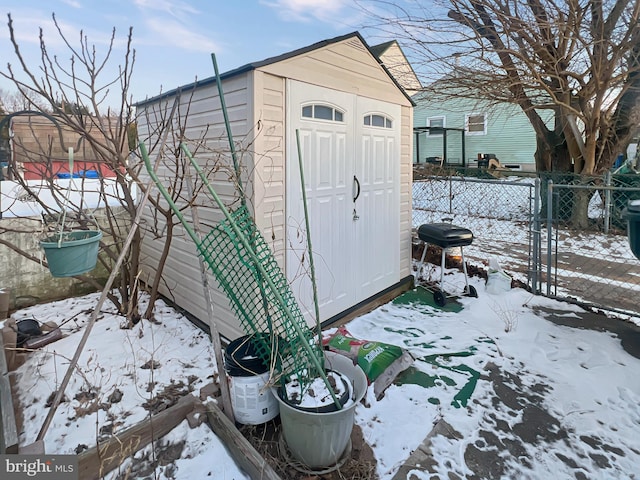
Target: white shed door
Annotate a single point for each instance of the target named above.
(350, 148)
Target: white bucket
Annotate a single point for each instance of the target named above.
(253, 404)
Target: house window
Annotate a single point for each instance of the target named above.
(476, 124)
(375, 120)
(322, 112)
(436, 126)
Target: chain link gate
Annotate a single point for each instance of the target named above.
(588, 259)
(499, 212)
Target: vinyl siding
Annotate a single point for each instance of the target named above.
(509, 134)
(182, 280)
(256, 102)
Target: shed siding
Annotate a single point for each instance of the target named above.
(345, 66)
(399, 67)
(406, 199)
(182, 280)
(269, 177)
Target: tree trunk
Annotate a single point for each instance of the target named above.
(580, 213)
(553, 162)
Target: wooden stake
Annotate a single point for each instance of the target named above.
(213, 326)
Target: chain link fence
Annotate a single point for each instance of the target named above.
(588, 257)
(563, 236)
(499, 212)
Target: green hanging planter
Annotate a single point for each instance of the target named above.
(73, 254)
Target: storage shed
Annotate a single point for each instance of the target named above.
(355, 127)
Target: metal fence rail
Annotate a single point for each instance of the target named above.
(566, 241)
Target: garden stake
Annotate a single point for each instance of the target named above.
(310, 253)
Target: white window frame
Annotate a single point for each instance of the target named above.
(475, 114)
(444, 125)
(334, 109)
(389, 123)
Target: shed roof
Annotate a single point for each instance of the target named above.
(268, 61)
(379, 49)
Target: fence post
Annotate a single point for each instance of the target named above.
(607, 202)
(536, 238)
(549, 232)
(450, 194)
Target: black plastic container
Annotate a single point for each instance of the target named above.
(242, 358)
(27, 328)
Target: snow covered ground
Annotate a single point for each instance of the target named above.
(583, 379)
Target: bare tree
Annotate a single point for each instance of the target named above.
(11, 102)
(76, 95)
(578, 60)
(572, 67)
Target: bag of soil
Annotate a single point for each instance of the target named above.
(381, 362)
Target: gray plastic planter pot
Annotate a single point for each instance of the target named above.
(318, 440)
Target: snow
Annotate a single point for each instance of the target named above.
(90, 193)
(316, 394)
(590, 382)
(114, 358)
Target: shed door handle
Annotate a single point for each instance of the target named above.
(356, 184)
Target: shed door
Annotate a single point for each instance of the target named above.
(356, 243)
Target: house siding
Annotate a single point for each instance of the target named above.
(38, 154)
(509, 134)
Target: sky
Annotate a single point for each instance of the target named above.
(174, 39)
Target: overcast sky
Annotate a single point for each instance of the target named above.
(173, 39)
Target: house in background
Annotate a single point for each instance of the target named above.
(355, 125)
(36, 151)
(393, 58)
(458, 131)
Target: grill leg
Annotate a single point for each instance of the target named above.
(464, 269)
(424, 253)
(442, 270)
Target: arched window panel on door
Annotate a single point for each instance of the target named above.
(320, 111)
(377, 120)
